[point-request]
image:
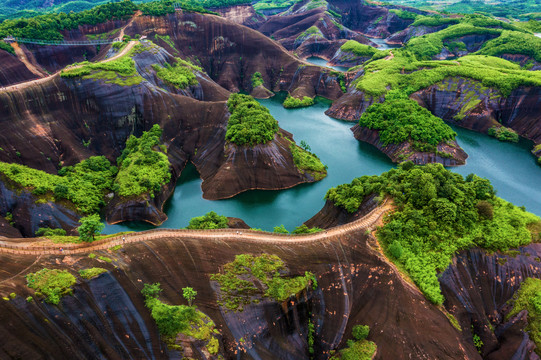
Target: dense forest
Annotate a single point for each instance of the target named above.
(437, 214)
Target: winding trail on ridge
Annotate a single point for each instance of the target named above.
(34, 70)
(250, 236)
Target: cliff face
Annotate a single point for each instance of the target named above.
(241, 14)
(69, 120)
(355, 286)
(450, 101)
(370, 20)
(231, 54)
(402, 37)
(228, 169)
(330, 215)
(29, 214)
(352, 105)
(477, 287)
(405, 151)
(13, 70)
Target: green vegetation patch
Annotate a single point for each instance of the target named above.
(503, 133)
(311, 31)
(528, 297)
(143, 166)
(404, 14)
(6, 47)
(404, 72)
(250, 123)
(210, 220)
(180, 75)
(362, 50)
(274, 4)
(92, 272)
(359, 348)
(437, 214)
(291, 103)
(84, 184)
(513, 42)
(400, 119)
(119, 71)
(180, 319)
(249, 277)
(308, 162)
(257, 79)
(51, 283)
(50, 26)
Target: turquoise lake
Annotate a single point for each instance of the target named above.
(511, 168)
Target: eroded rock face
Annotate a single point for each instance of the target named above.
(352, 105)
(241, 14)
(402, 37)
(468, 104)
(330, 215)
(29, 214)
(405, 152)
(240, 168)
(231, 54)
(477, 287)
(13, 71)
(71, 119)
(355, 286)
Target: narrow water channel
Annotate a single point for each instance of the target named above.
(511, 168)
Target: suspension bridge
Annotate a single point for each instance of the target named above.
(11, 39)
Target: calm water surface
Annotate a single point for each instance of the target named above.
(510, 167)
(322, 62)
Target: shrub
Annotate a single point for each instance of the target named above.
(250, 123)
(280, 229)
(210, 220)
(181, 75)
(143, 166)
(257, 79)
(237, 282)
(360, 332)
(291, 102)
(46, 231)
(528, 297)
(396, 249)
(52, 283)
(303, 229)
(308, 162)
(92, 272)
(503, 133)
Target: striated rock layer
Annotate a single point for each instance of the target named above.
(106, 316)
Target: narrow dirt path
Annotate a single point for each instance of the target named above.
(390, 56)
(22, 57)
(249, 236)
(33, 69)
(26, 84)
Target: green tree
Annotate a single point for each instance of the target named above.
(210, 220)
(305, 146)
(90, 226)
(189, 294)
(281, 229)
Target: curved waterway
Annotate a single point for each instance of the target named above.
(510, 167)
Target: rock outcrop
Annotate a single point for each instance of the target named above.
(454, 155)
(477, 287)
(356, 285)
